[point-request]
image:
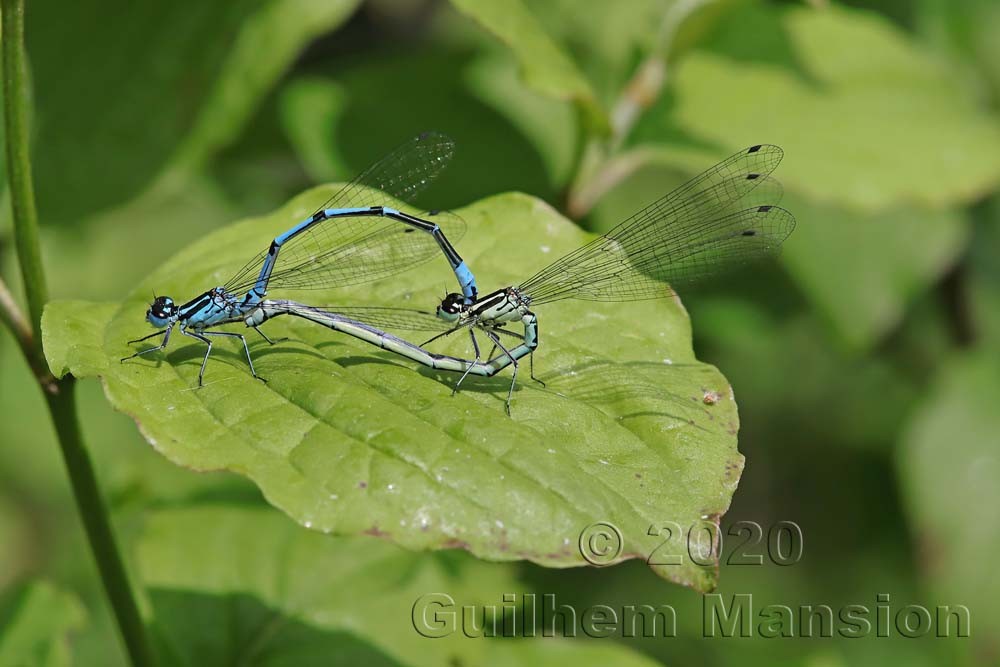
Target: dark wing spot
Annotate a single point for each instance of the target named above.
(751, 177)
(753, 149)
(763, 209)
(750, 232)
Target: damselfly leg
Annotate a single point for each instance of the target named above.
(531, 357)
(265, 337)
(163, 343)
(204, 362)
(475, 348)
(246, 348)
(513, 378)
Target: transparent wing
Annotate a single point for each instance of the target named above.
(725, 217)
(391, 318)
(380, 248)
(603, 383)
(357, 249)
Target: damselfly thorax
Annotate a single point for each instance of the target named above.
(504, 305)
(214, 307)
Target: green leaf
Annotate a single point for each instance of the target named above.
(984, 274)
(948, 465)
(139, 234)
(872, 127)
(179, 83)
(75, 349)
(311, 108)
(549, 124)
(967, 31)
(608, 38)
(863, 270)
(545, 66)
(349, 439)
(35, 620)
(328, 123)
(806, 376)
(248, 72)
(243, 586)
(866, 118)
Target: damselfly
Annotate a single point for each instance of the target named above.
(725, 217)
(354, 237)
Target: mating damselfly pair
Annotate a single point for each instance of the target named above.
(725, 217)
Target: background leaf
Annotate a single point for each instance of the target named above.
(983, 310)
(251, 577)
(899, 254)
(332, 130)
(544, 65)
(953, 436)
(311, 110)
(285, 26)
(550, 124)
(178, 82)
(35, 620)
(879, 136)
(867, 121)
(348, 440)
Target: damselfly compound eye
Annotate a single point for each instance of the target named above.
(163, 307)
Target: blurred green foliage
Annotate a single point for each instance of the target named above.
(864, 365)
(35, 622)
(256, 568)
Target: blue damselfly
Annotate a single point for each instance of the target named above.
(354, 237)
(725, 217)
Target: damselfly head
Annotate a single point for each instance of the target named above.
(451, 307)
(161, 312)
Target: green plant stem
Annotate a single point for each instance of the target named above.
(22, 193)
(59, 394)
(94, 513)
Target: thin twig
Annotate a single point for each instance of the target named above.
(647, 83)
(59, 394)
(615, 170)
(640, 93)
(601, 169)
(12, 316)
